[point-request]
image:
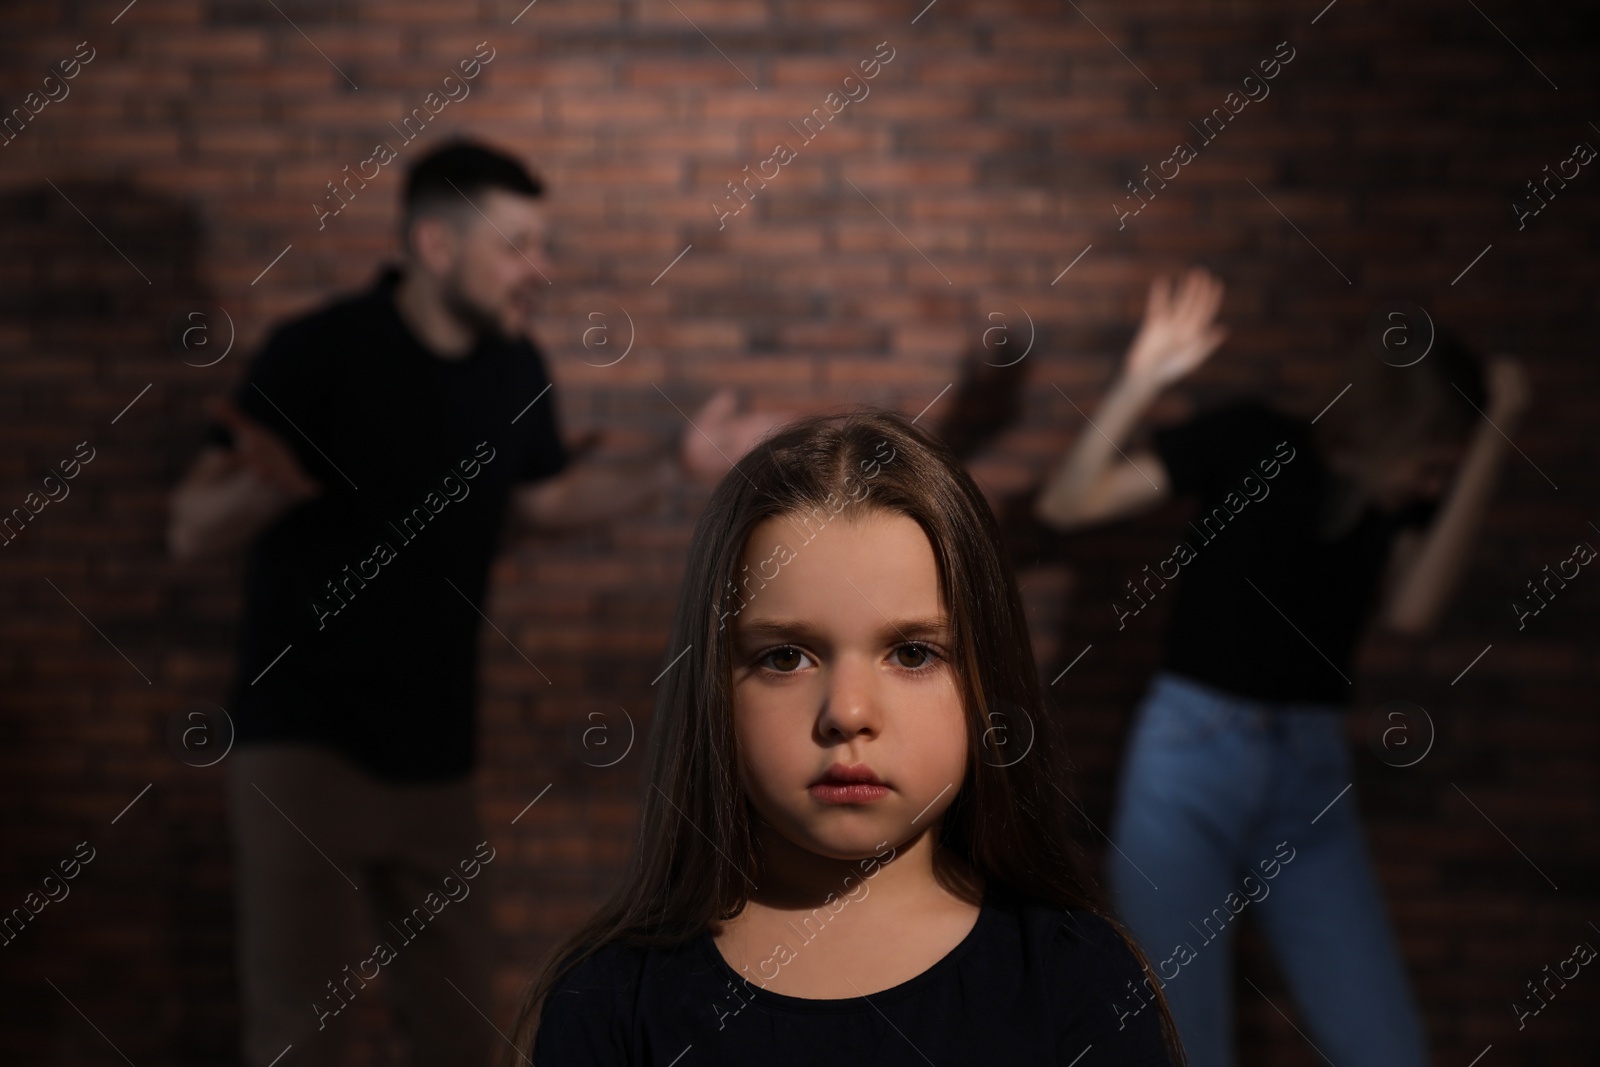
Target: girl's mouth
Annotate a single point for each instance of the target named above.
(835, 792)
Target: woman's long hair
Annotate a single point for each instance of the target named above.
(1393, 410)
(1012, 820)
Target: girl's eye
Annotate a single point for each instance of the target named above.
(785, 659)
(921, 656)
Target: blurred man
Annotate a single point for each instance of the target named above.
(368, 462)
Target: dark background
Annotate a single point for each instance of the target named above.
(189, 154)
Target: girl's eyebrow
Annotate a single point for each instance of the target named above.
(795, 629)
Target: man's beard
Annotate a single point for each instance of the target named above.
(482, 323)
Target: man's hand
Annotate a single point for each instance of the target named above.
(590, 492)
(263, 451)
(230, 494)
(1178, 331)
(720, 436)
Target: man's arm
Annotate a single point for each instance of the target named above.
(1427, 566)
(230, 494)
(220, 506)
(588, 493)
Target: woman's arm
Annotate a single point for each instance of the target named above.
(1095, 480)
(1428, 569)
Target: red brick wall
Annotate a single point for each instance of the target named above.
(988, 155)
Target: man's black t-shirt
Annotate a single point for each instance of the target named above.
(1031, 984)
(361, 615)
(1265, 607)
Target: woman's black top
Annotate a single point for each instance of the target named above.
(1264, 605)
(1032, 983)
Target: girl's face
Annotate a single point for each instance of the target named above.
(844, 658)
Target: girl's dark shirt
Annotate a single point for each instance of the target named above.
(1264, 606)
(1032, 983)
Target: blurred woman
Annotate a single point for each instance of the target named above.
(1233, 790)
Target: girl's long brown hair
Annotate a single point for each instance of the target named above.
(1011, 821)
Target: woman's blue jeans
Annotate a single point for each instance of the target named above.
(1226, 811)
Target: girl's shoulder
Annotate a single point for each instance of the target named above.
(1092, 973)
(588, 1010)
(1078, 945)
(605, 966)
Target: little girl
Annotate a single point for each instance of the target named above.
(857, 842)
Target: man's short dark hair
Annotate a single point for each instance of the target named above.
(449, 179)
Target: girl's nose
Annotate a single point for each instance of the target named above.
(852, 698)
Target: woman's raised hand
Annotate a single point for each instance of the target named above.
(1509, 391)
(1178, 331)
